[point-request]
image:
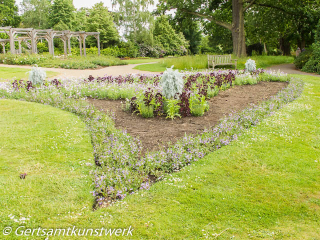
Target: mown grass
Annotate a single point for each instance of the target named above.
(154, 67)
(19, 73)
(200, 62)
(52, 147)
(142, 60)
(263, 186)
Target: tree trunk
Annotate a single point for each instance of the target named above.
(285, 46)
(238, 32)
(236, 28)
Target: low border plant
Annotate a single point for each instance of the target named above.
(121, 169)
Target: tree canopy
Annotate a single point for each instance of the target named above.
(230, 14)
(9, 13)
(100, 20)
(134, 17)
(166, 36)
(62, 13)
(35, 13)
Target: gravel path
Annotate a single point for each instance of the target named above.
(127, 69)
(290, 69)
(113, 70)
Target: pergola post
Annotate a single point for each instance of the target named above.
(84, 36)
(52, 46)
(33, 37)
(64, 45)
(98, 43)
(3, 47)
(68, 36)
(80, 45)
(69, 45)
(11, 37)
(20, 49)
(49, 45)
(49, 38)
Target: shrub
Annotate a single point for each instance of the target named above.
(303, 58)
(313, 64)
(42, 47)
(250, 65)
(172, 83)
(151, 51)
(37, 75)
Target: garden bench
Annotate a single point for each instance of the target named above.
(214, 60)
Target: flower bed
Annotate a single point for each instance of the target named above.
(61, 61)
(121, 168)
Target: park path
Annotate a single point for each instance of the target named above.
(290, 69)
(128, 69)
(67, 73)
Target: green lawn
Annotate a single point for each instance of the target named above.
(263, 186)
(52, 147)
(200, 62)
(18, 73)
(142, 60)
(154, 67)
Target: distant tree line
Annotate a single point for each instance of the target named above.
(244, 27)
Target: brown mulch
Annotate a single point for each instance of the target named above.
(156, 132)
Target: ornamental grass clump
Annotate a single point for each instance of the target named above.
(172, 83)
(250, 65)
(37, 75)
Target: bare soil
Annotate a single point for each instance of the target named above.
(158, 132)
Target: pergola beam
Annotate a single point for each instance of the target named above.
(48, 34)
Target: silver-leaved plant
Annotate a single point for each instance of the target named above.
(37, 75)
(172, 83)
(250, 65)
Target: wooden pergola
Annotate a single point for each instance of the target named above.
(33, 35)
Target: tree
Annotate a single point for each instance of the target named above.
(208, 10)
(165, 35)
(285, 24)
(35, 13)
(80, 20)
(62, 12)
(101, 20)
(211, 11)
(135, 18)
(9, 13)
(190, 28)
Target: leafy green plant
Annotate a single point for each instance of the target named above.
(126, 106)
(213, 91)
(172, 108)
(225, 86)
(245, 80)
(198, 105)
(145, 111)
